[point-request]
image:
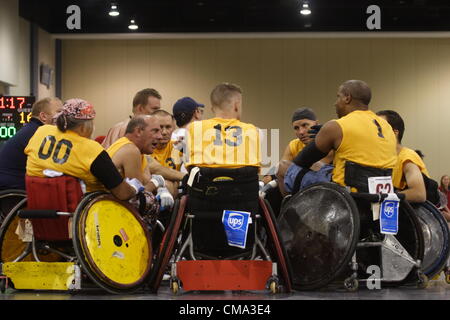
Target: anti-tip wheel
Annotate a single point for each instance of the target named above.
(422, 281)
(273, 287)
(174, 286)
(446, 272)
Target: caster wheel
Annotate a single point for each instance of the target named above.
(351, 284)
(422, 281)
(273, 287)
(174, 286)
(447, 278)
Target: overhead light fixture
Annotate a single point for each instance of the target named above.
(305, 9)
(133, 25)
(114, 12)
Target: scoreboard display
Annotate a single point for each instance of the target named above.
(15, 112)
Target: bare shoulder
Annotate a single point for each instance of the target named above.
(126, 153)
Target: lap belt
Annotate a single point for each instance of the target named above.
(220, 182)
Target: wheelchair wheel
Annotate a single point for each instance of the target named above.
(112, 243)
(8, 200)
(276, 247)
(165, 250)
(11, 247)
(436, 238)
(319, 227)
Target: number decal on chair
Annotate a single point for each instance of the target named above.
(383, 188)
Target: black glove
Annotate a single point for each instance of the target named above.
(314, 130)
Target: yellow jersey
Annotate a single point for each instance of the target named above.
(119, 144)
(367, 140)
(66, 152)
(295, 146)
(168, 156)
(405, 155)
(226, 143)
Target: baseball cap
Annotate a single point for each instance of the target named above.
(186, 105)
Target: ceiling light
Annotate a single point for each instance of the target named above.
(133, 25)
(114, 12)
(305, 9)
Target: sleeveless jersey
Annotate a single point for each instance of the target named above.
(295, 146)
(66, 152)
(226, 143)
(119, 144)
(406, 154)
(169, 156)
(367, 140)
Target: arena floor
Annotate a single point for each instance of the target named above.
(436, 290)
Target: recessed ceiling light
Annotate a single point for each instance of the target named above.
(133, 25)
(305, 9)
(114, 12)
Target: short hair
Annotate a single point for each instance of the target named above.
(65, 123)
(358, 89)
(420, 153)
(183, 118)
(141, 98)
(396, 122)
(41, 106)
(137, 122)
(162, 113)
(223, 93)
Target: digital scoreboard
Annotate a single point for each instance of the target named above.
(15, 112)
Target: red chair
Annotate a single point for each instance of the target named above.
(59, 194)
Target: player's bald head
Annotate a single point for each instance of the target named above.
(358, 90)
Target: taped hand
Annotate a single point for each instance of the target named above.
(165, 198)
(136, 184)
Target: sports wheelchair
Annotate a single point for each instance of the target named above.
(195, 247)
(330, 234)
(68, 241)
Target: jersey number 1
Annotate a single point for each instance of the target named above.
(380, 132)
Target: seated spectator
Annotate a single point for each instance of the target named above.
(67, 149)
(12, 157)
(444, 186)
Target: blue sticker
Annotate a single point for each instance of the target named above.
(389, 217)
(236, 227)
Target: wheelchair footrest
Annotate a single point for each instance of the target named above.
(224, 274)
(43, 275)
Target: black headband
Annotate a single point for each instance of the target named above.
(304, 113)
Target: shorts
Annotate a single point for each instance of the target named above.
(311, 177)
